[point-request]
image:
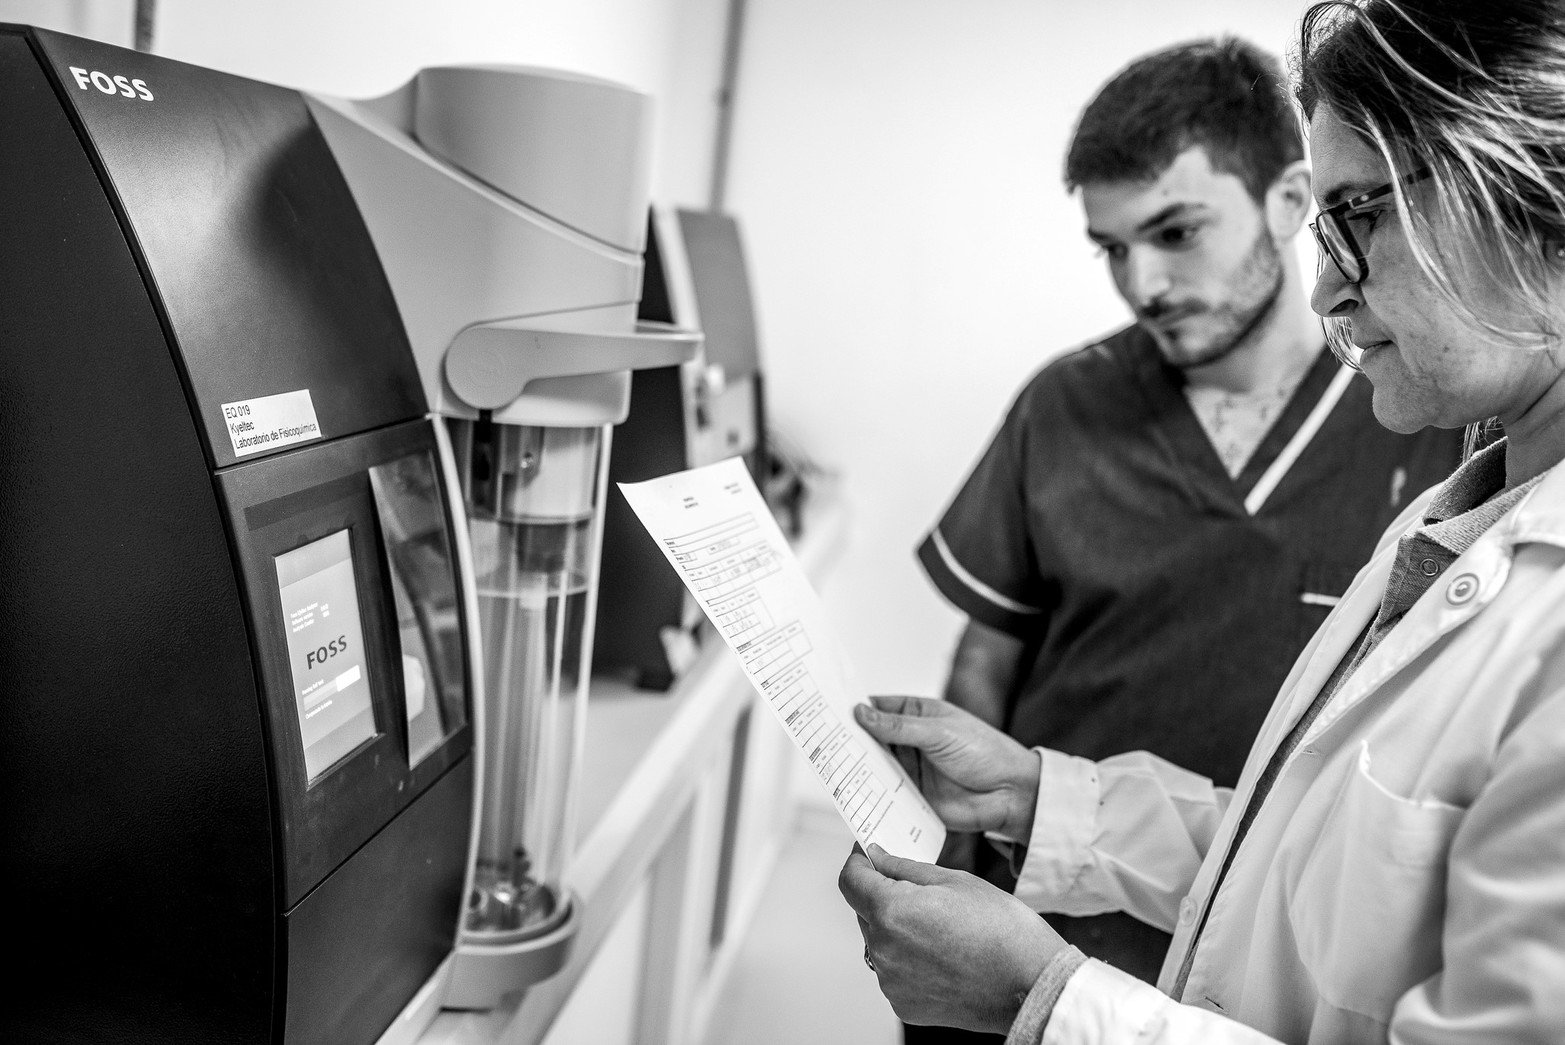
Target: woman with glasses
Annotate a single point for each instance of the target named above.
(1391, 866)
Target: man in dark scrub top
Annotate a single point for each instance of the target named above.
(1207, 472)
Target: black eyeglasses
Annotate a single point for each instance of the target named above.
(1333, 229)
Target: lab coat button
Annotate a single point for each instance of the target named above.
(1462, 590)
(1186, 911)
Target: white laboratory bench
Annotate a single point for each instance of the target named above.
(686, 799)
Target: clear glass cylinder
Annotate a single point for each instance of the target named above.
(532, 498)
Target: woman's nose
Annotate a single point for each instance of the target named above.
(1333, 295)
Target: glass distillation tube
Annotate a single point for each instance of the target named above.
(532, 494)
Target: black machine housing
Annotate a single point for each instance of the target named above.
(175, 241)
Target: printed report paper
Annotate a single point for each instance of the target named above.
(718, 534)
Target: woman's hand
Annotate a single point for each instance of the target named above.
(948, 948)
(976, 777)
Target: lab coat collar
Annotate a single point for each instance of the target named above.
(1468, 585)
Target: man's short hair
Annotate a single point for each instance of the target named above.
(1223, 94)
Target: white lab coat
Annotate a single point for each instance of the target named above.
(1405, 879)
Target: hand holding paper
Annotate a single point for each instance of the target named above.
(976, 777)
(948, 948)
(717, 532)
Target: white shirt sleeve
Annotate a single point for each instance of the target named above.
(1101, 1005)
(1125, 834)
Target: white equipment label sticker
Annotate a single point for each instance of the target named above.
(267, 423)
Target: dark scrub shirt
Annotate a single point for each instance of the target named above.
(1161, 611)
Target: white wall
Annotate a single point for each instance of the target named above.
(112, 21)
(897, 169)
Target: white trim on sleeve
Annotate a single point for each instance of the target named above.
(976, 586)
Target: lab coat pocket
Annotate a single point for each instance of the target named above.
(1370, 900)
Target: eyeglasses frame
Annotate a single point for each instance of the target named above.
(1335, 216)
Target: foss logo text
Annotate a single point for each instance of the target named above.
(121, 85)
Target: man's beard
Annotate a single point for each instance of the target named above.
(1248, 309)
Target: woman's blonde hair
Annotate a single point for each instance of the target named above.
(1473, 91)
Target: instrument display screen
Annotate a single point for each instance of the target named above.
(320, 603)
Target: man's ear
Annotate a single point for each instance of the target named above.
(1288, 201)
